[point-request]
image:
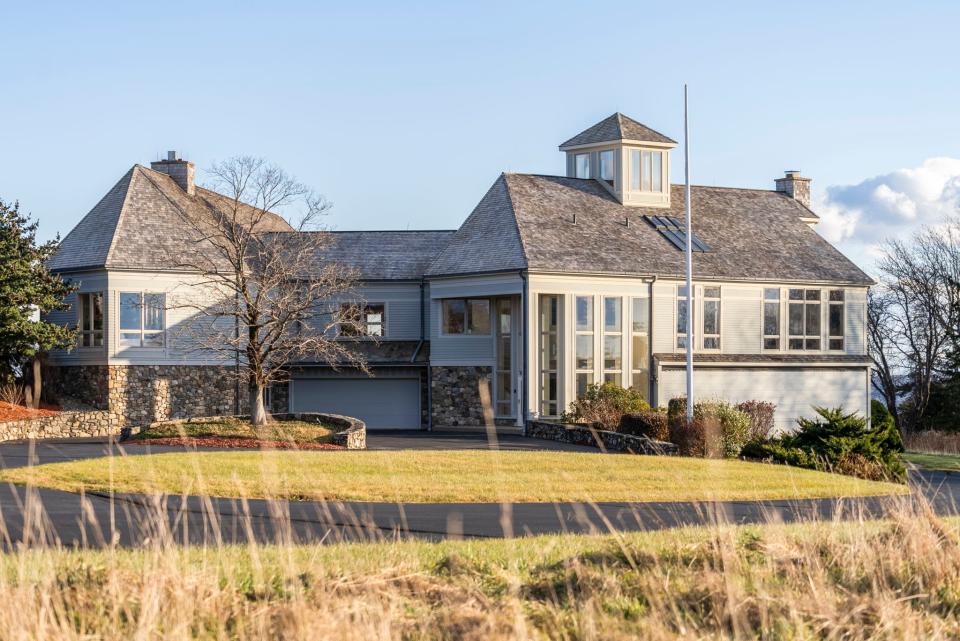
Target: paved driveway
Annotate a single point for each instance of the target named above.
(49, 516)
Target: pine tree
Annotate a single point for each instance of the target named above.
(26, 287)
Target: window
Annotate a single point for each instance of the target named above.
(581, 165)
(366, 319)
(771, 318)
(711, 318)
(803, 319)
(607, 169)
(142, 319)
(504, 374)
(612, 340)
(90, 319)
(646, 170)
(682, 310)
(549, 354)
(835, 320)
(640, 345)
(583, 348)
(466, 316)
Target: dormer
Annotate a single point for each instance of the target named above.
(628, 158)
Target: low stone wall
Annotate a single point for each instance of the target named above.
(351, 434)
(608, 441)
(62, 425)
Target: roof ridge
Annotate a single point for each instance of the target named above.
(516, 223)
(123, 207)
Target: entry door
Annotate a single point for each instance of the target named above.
(505, 375)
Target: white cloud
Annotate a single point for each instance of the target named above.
(861, 217)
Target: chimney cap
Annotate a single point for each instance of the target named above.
(171, 155)
(792, 173)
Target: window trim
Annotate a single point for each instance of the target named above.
(82, 333)
(703, 318)
(805, 302)
(143, 331)
(466, 317)
(616, 334)
(612, 181)
(590, 331)
(644, 170)
(576, 157)
(634, 334)
(842, 336)
(557, 333)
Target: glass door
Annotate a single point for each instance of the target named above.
(504, 377)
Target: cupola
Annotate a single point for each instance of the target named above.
(628, 158)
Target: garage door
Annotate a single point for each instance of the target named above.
(794, 391)
(381, 403)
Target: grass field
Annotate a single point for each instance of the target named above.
(445, 476)
(892, 579)
(947, 462)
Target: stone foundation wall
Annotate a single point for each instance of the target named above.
(63, 425)
(86, 383)
(456, 395)
(144, 394)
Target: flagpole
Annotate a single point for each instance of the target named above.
(689, 256)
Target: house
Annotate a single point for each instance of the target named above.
(551, 283)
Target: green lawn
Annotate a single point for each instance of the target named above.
(295, 431)
(933, 461)
(445, 476)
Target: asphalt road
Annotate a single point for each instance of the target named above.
(37, 517)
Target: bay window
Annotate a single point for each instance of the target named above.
(549, 354)
(142, 319)
(711, 318)
(771, 318)
(835, 318)
(612, 340)
(640, 345)
(583, 347)
(803, 319)
(90, 319)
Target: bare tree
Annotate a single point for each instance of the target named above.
(915, 326)
(882, 347)
(269, 296)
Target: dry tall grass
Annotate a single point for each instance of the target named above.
(893, 579)
(932, 442)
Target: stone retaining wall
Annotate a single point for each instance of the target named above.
(62, 425)
(608, 441)
(351, 434)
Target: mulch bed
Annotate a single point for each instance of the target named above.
(10, 412)
(244, 443)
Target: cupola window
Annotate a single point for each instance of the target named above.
(582, 165)
(606, 167)
(646, 170)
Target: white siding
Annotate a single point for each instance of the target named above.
(87, 282)
(795, 391)
(402, 302)
(664, 317)
(741, 316)
(856, 321)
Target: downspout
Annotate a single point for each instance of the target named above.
(423, 338)
(526, 338)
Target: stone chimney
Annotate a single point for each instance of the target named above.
(795, 186)
(181, 171)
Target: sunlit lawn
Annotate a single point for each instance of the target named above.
(445, 476)
(933, 461)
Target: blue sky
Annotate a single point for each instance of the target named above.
(403, 114)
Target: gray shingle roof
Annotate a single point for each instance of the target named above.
(753, 234)
(617, 127)
(386, 255)
(139, 225)
(487, 241)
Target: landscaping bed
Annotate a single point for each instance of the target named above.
(11, 412)
(238, 432)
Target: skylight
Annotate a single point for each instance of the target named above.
(673, 230)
